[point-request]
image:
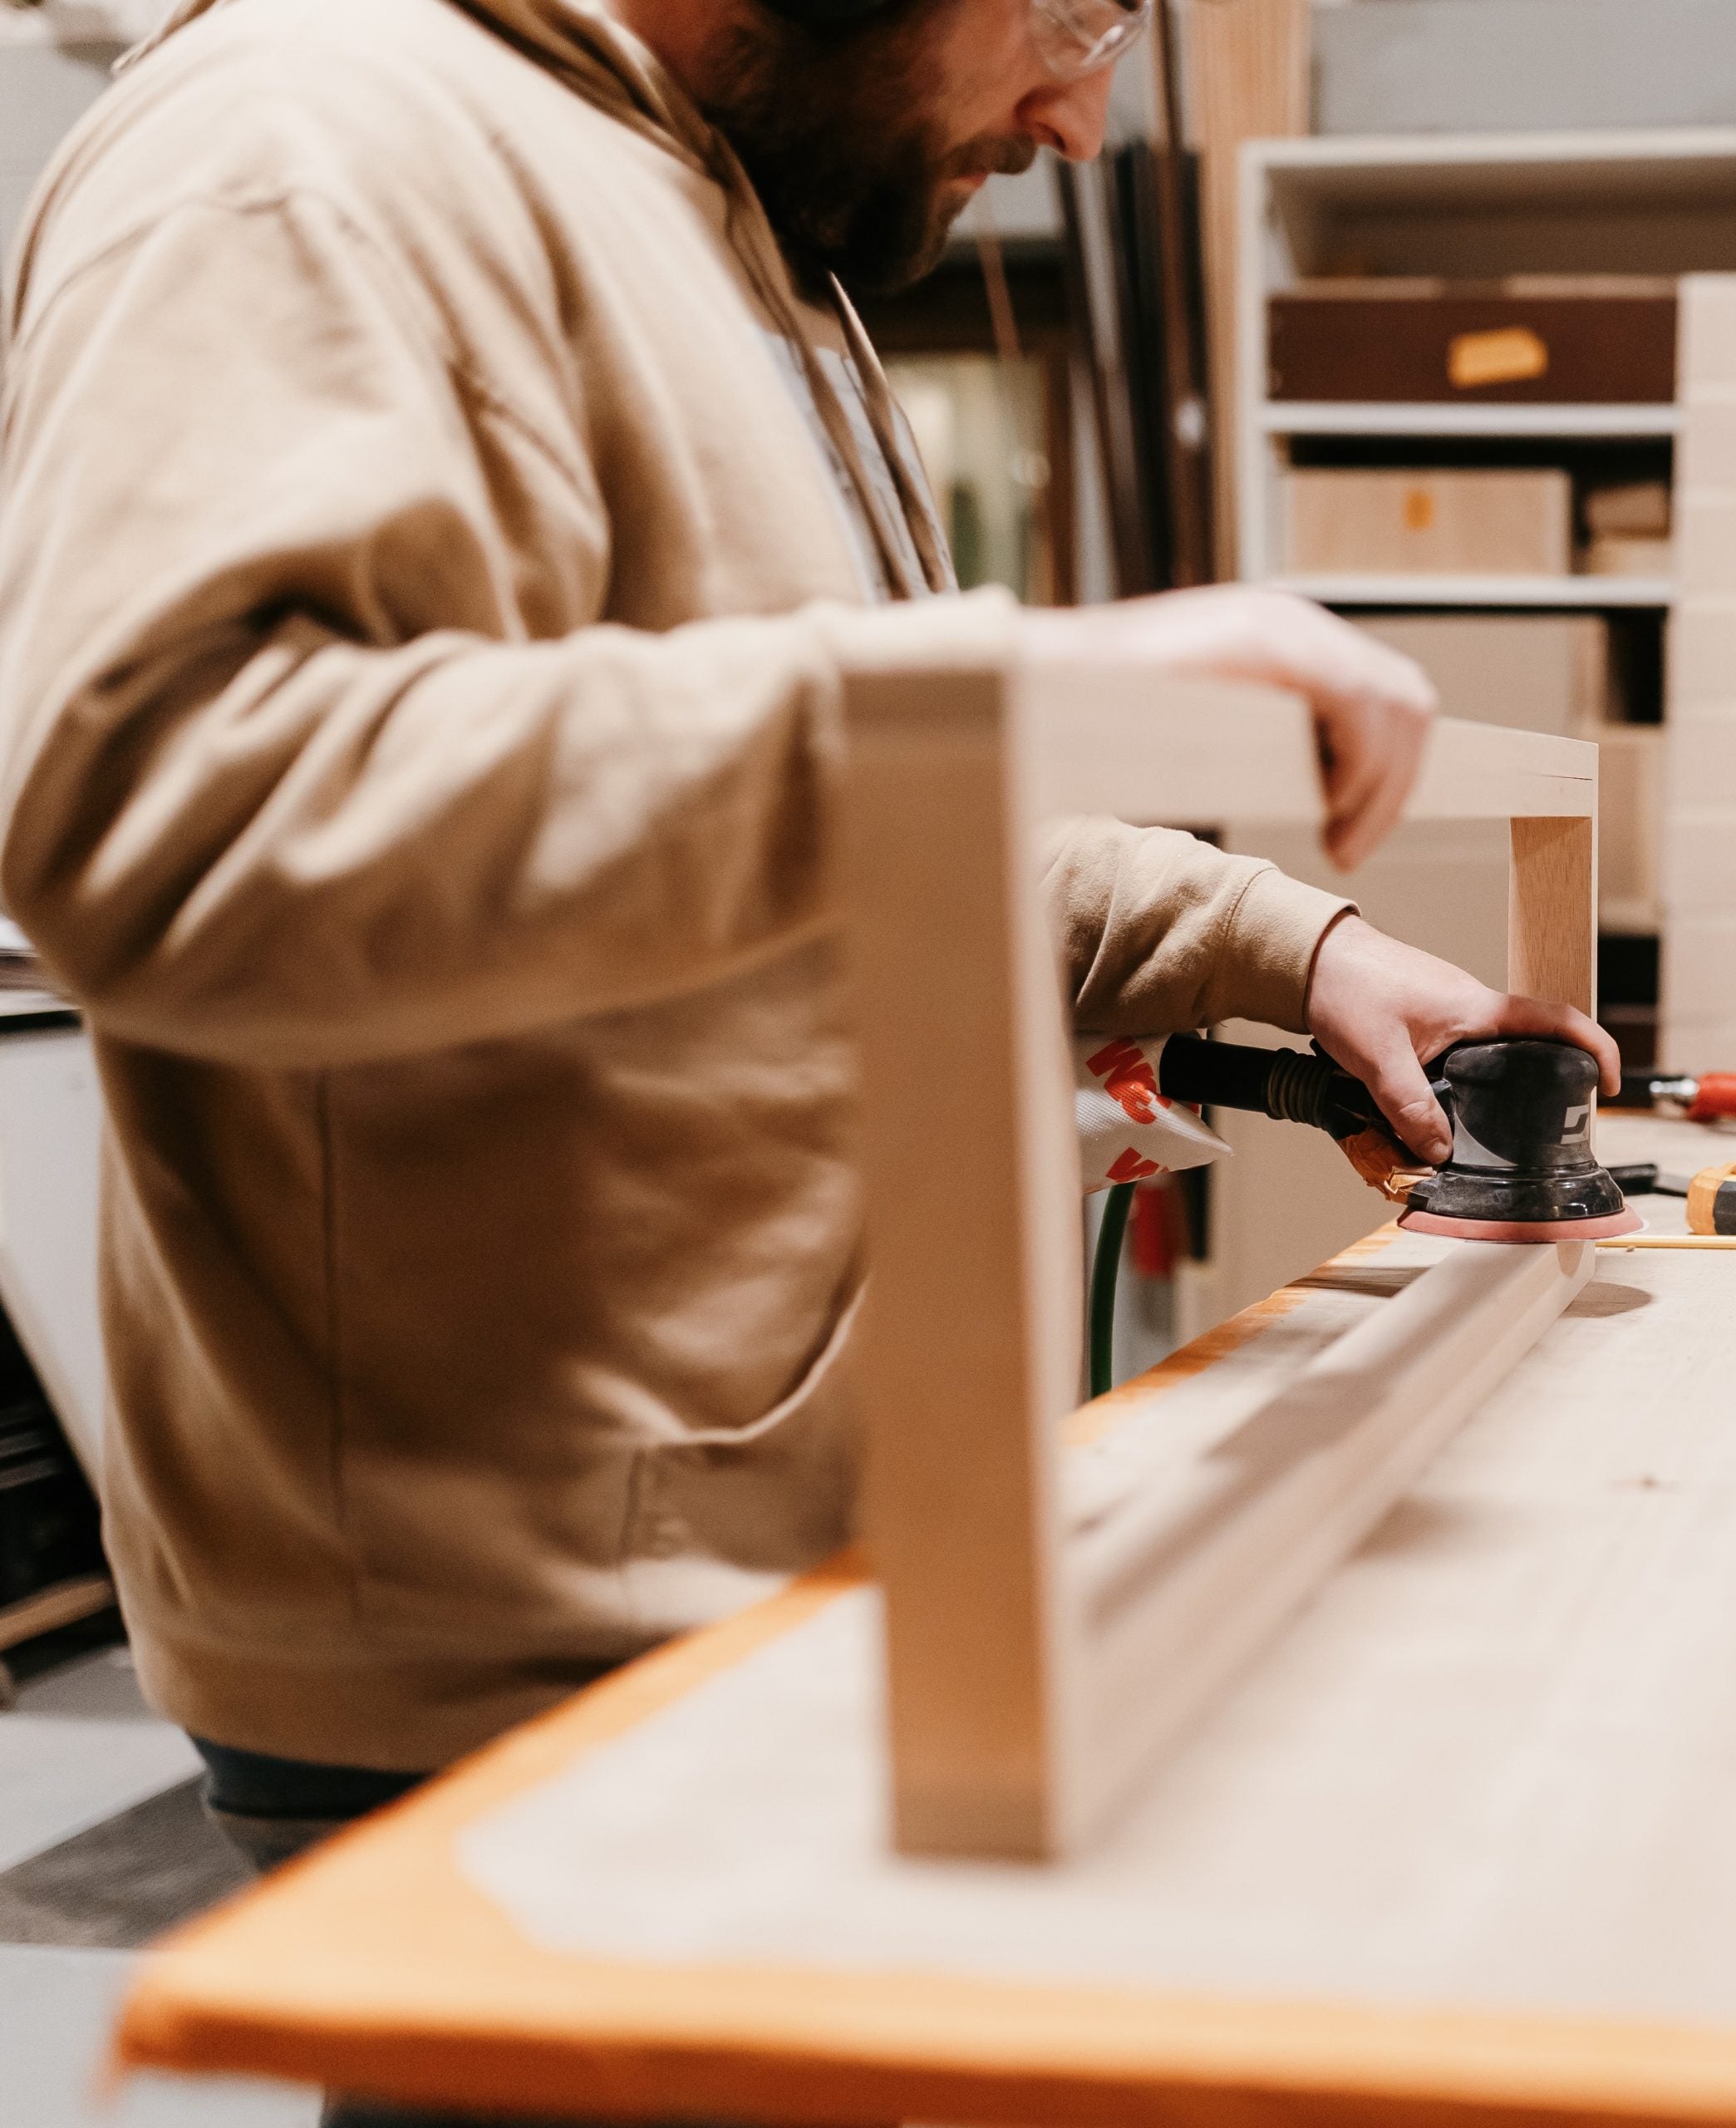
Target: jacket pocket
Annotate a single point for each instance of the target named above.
(720, 1514)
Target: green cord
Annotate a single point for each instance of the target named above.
(1105, 1271)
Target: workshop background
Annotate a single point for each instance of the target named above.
(1451, 348)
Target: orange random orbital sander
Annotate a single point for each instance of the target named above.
(1522, 1169)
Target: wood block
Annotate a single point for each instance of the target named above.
(1633, 509)
(1539, 673)
(1708, 352)
(1552, 935)
(1705, 541)
(1451, 523)
(1612, 555)
(1702, 652)
(963, 1041)
(1629, 825)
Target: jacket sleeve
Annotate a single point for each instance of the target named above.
(1160, 933)
(284, 782)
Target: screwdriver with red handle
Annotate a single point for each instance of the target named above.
(1708, 1099)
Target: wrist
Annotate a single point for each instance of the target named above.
(1342, 930)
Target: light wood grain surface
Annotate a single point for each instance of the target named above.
(1459, 1846)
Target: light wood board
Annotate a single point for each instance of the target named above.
(1021, 1711)
(1457, 1850)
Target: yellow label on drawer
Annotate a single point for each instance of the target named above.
(1512, 355)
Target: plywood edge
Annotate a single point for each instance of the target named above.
(789, 2045)
(1094, 1421)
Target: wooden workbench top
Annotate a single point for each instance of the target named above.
(1462, 1841)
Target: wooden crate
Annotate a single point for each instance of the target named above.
(1428, 342)
(1428, 524)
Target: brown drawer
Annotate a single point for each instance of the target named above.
(1498, 346)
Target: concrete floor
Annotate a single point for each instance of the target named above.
(80, 1750)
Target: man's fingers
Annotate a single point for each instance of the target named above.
(1401, 1092)
(1373, 751)
(1355, 832)
(1536, 1015)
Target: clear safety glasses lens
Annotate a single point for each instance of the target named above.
(1077, 37)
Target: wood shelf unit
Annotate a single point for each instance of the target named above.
(1475, 206)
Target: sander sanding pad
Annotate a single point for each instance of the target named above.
(1627, 1221)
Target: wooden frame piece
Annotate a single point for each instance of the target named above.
(1031, 1673)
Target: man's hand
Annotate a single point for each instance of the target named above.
(1371, 706)
(1382, 1011)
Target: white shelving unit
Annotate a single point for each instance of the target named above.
(1478, 207)
(1475, 206)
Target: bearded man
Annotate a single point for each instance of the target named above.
(447, 489)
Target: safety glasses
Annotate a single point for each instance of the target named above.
(1076, 38)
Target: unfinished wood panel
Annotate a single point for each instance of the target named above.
(1403, 1806)
(972, 1205)
(1196, 1573)
(1016, 1725)
(1552, 914)
(1247, 753)
(1428, 524)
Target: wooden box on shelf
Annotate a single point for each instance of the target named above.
(1430, 523)
(1542, 336)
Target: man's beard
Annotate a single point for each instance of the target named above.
(832, 131)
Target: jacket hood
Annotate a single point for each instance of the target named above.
(600, 59)
(580, 40)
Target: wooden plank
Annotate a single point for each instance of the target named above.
(1189, 1581)
(1108, 737)
(972, 1335)
(1553, 939)
(65, 1605)
(1007, 1739)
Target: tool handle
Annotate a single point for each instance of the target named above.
(1714, 1098)
(1287, 1084)
(1712, 1201)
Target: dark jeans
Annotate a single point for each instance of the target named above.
(274, 1809)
